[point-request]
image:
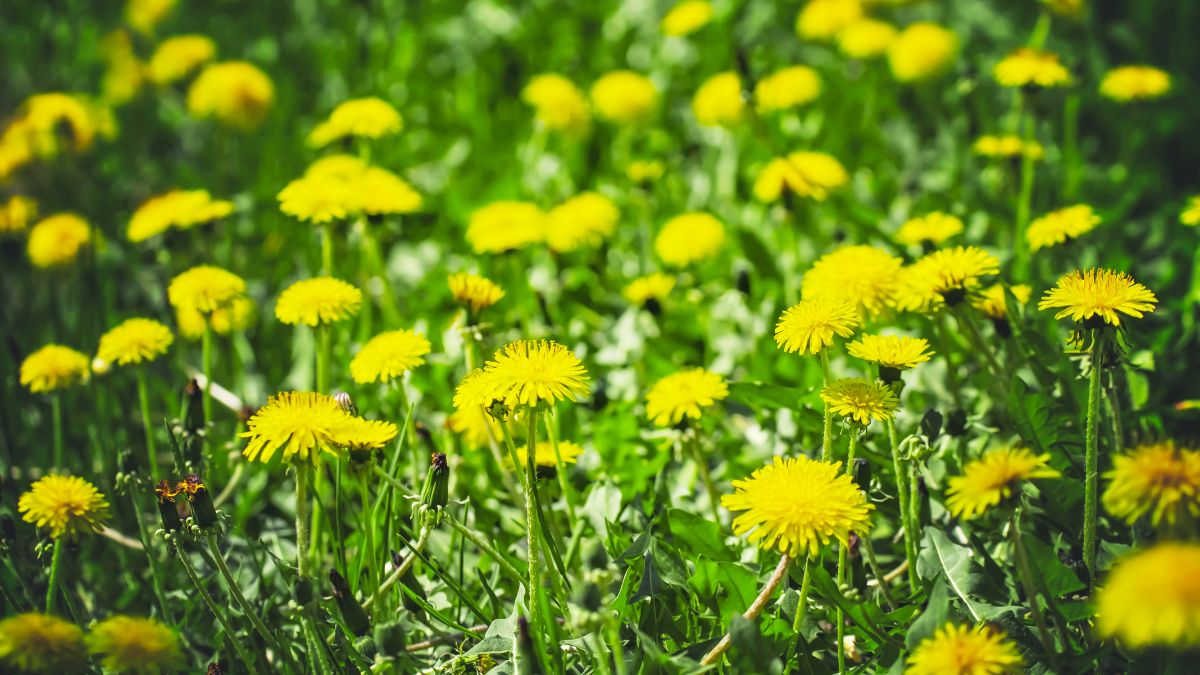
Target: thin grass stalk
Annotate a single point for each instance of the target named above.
(57, 424)
(216, 612)
(147, 426)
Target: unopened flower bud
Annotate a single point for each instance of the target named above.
(167, 509)
(352, 612)
(437, 481)
(202, 505)
(193, 407)
(302, 591)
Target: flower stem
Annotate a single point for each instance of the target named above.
(753, 610)
(693, 443)
(52, 586)
(206, 362)
(531, 521)
(400, 571)
(1091, 458)
(56, 421)
(369, 533)
(212, 607)
(323, 356)
(802, 601)
(827, 429)
(327, 250)
(302, 519)
(1031, 592)
(1024, 199)
(841, 566)
(479, 540)
(147, 427)
(879, 578)
(155, 583)
(238, 597)
(910, 550)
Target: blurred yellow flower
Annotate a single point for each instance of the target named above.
(823, 19)
(134, 341)
(961, 650)
(229, 318)
(130, 645)
(804, 174)
(787, 88)
(144, 15)
(381, 192)
(1152, 598)
(319, 301)
(505, 226)
(1189, 216)
(624, 97)
(719, 102)
(235, 93)
(474, 291)
(583, 221)
(686, 18)
(944, 277)
(43, 121)
(920, 51)
(1098, 294)
(1007, 146)
(543, 453)
(809, 326)
(54, 367)
(689, 238)
(1031, 67)
(125, 73)
(644, 170)
(476, 427)
(388, 356)
(178, 208)
(1068, 8)
(932, 228)
(369, 117)
(1059, 226)
(991, 300)
(177, 57)
(317, 200)
(866, 38)
(861, 400)
(525, 373)
(558, 104)
(1135, 83)
(1157, 479)
(65, 505)
(338, 187)
(56, 240)
(684, 395)
(205, 289)
(898, 352)
(656, 286)
(986, 481)
(16, 213)
(865, 276)
(40, 643)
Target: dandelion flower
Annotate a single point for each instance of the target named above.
(45, 121)
(1135, 83)
(506, 225)
(131, 645)
(176, 57)
(16, 214)
(1058, 226)
(585, 220)
(933, 228)
(1007, 147)
(381, 192)
(809, 327)
(787, 88)
(369, 117)
(718, 102)
(961, 650)
(866, 38)
(1152, 598)
(654, 286)
(124, 72)
(40, 643)
(361, 434)
(54, 367)
(134, 341)
(474, 291)
(644, 170)
(804, 174)
(302, 424)
(543, 453)
(476, 427)
(624, 97)
(823, 19)
(897, 352)
(921, 51)
(317, 199)
(205, 289)
(684, 394)
(65, 505)
(798, 505)
(1189, 216)
(235, 93)
(56, 240)
(686, 18)
(1095, 294)
(323, 300)
(144, 15)
(178, 208)
(1072, 9)
(689, 238)
(525, 373)
(860, 400)
(388, 356)
(1154, 478)
(235, 316)
(944, 277)
(558, 104)
(864, 276)
(991, 300)
(987, 481)
(1031, 68)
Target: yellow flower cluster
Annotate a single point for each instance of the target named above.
(809, 175)
(339, 187)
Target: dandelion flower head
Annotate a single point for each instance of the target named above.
(16, 214)
(962, 650)
(624, 97)
(305, 424)
(127, 644)
(864, 276)
(583, 221)
(474, 291)
(1157, 479)
(205, 289)
(1059, 226)
(861, 400)
(686, 18)
(1031, 68)
(933, 228)
(654, 286)
(899, 352)
(689, 238)
(1189, 216)
(543, 453)
(558, 104)
(1135, 83)
(323, 300)
(1152, 598)
(370, 117)
(134, 341)
(65, 505)
(718, 102)
(1007, 147)
(809, 326)
(992, 302)
(176, 57)
(987, 481)
(1098, 294)
(505, 226)
(804, 174)
(54, 367)
(57, 239)
(230, 318)
(144, 15)
(525, 373)
(182, 209)
(824, 19)
(787, 88)
(234, 93)
(40, 643)
(921, 51)
(388, 356)
(944, 277)
(684, 395)
(866, 38)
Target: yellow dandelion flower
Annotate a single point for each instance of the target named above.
(823, 19)
(689, 238)
(809, 327)
(718, 102)
(1095, 294)
(144, 15)
(1157, 479)
(804, 174)
(624, 97)
(654, 286)
(381, 192)
(921, 51)
(1189, 216)
(302, 424)
(234, 93)
(866, 38)
(684, 395)
(57, 239)
(54, 367)
(177, 57)
(644, 170)
(205, 289)
(543, 453)
(787, 88)
(323, 300)
(1007, 147)
(1058, 226)
(506, 225)
(987, 481)
(369, 117)
(65, 505)
(474, 291)
(319, 199)
(1031, 68)
(525, 373)
(131, 645)
(361, 434)
(388, 356)
(961, 650)
(124, 72)
(944, 277)
(134, 341)
(558, 104)
(16, 214)
(476, 427)
(336, 167)
(798, 505)
(898, 352)
(860, 400)
(686, 18)
(182, 209)
(933, 228)
(1152, 598)
(40, 643)
(44, 121)
(585, 220)
(1135, 83)
(230, 318)
(864, 276)
(991, 300)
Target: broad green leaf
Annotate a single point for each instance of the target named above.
(730, 584)
(602, 507)
(1057, 578)
(764, 396)
(941, 558)
(697, 535)
(749, 652)
(936, 614)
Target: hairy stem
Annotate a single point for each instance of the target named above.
(1092, 459)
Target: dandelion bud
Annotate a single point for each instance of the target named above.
(302, 591)
(653, 306)
(167, 509)
(860, 473)
(931, 424)
(852, 544)
(345, 402)
(214, 668)
(201, 500)
(437, 481)
(389, 638)
(352, 612)
(956, 423)
(498, 411)
(193, 407)
(366, 646)
(127, 461)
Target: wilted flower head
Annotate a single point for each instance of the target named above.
(920, 51)
(864, 276)
(805, 174)
(932, 228)
(585, 220)
(506, 225)
(809, 326)
(1097, 295)
(787, 88)
(684, 395)
(322, 300)
(962, 650)
(176, 57)
(1135, 83)
(54, 367)
(388, 356)
(558, 104)
(823, 19)
(1027, 67)
(40, 643)
(686, 18)
(987, 481)
(65, 505)
(1152, 598)
(718, 102)
(689, 238)
(624, 97)
(56, 240)
(234, 93)
(132, 645)
(178, 208)
(369, 117)
(1059, 226)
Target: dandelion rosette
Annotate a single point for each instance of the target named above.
(57, 240)
(54, 367)
(39, 643)
(369, 117)
(933, 228)
(134, 341)
(899, 352)
(65, 505)
(811, 175)
(205, 289)
(1152, 598)
(127, 644)
(1097, 295)
(1057, 227)
(684, 395)
(583, 221)
(319, 301)
(987, 481)
(474, 291)
(689, 238)
(861, 400)
(1157, 479)
(525, 373)
(809, 326)
(862, 275)
(686, 18)
(962, 650)
(388, 356)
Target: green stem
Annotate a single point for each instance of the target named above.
(714, 498)
(206, 362)
(324, 354)
(52, 586)
(302, 534)
(841, 565)
(560, 470)
(57, 423)
(827, 429)
(802, 601)
(1071, 145)
(400, 571)
(327, 249)
(414, 446)
(238, 597)
(910, 550)
(1023, 570)
(616, 646)
(1091, 458)
(155, 583)
(531, 522)
(1024, 200)
(147, 427)
(479, 540)
(216, 612)
(879, 578)
(368, 531)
